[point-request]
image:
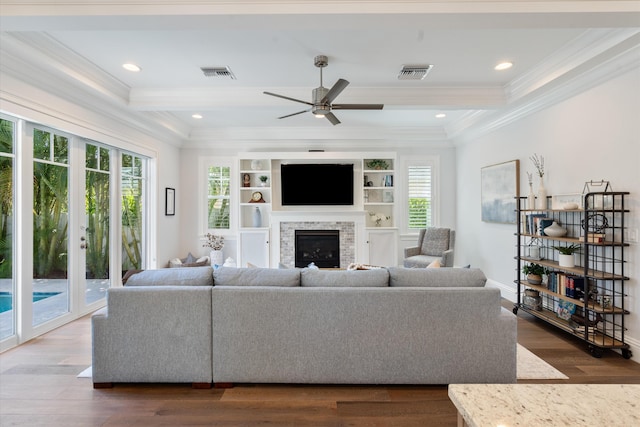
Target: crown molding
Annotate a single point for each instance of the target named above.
(609, 63)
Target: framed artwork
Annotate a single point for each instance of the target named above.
(500, 186)
(169, 201)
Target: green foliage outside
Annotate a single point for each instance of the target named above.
(6, 198)
(419, 213)
(218, 209)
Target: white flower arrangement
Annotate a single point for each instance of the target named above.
(378, 217)
(214, 242)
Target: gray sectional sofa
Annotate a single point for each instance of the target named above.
(384, 326)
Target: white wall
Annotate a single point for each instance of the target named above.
(190, 180)
(593, 136)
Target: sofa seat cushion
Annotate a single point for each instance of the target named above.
(192, 276)
(229, 276)
(436, 277)
(344, 278)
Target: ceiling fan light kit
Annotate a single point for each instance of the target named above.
(323, 98)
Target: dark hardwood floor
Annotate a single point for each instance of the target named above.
(39, 387)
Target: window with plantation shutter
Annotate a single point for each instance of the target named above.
(419, 197)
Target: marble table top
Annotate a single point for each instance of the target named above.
(531, 405)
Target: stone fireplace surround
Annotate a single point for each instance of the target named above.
(284, 224)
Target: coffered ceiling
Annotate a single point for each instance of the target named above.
(78, 49)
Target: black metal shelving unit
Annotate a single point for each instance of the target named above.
(592, 300)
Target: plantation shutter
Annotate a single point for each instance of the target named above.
(419, 192)
(218, 197)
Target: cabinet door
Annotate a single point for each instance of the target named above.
(254, 248)
(383, 246)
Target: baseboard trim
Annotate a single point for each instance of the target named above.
(507, 292)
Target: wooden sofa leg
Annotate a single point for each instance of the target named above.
(102, 385)
(201, 386)
(223, 385)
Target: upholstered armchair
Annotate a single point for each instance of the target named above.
(433, 244)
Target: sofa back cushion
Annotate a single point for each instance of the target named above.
(344, 278)
(436, 277)
(230, 276)
(190, 276)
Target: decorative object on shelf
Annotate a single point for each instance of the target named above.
(595, 223)
(378, 217)
(256, 197)
(534, 273)
(500, 190)
(532, 299)
(229, 262)
(544, 223)
(602, 200)
(531, 198)
(377, 164)
(256, 165)
(538, 162)
(555, 230)
(263, 180)
(246, 180)
(566, 258)
(216, 243)
(387, 196)
(257, 217)
(567, 202)
(534, 252)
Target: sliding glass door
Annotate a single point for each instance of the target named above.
(81, 209)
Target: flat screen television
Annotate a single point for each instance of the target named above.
(305, 184)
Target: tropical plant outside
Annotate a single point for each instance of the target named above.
(419, 213)
(218, 209)
(6, 199)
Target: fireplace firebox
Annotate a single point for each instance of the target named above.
(321, 247)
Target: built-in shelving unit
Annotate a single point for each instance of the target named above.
(378, 190)
(586, 300)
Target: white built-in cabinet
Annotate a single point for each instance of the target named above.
(382, 246)
(254, 248)
(374, 198)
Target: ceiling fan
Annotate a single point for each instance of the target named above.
(323, 98)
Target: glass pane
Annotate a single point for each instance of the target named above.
(91, 156)
(6, 136)
(132, 191)
(218, 213)
(104, 159)
(50, 242)
(7, 288)
(419, 192)
(60, 149)
(41, 144)
(97, 235)
(138, 166)
(127, 163)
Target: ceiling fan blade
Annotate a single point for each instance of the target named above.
(357, 106)
(295, 114)
(286, 97)
(333, 119)
(334, 91)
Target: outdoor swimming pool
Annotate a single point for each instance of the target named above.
(6, 299)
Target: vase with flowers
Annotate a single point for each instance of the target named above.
(378, 217)
(215, 243)
(538, 163)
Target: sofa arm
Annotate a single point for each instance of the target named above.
(412, 251)
(447, 258)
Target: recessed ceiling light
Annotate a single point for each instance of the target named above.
(196, 116)
(503, 66)
(131, 67)
(441, 116)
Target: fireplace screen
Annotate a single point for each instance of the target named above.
(322, 247)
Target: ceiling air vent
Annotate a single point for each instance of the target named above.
(218, 72)
(414, 72)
